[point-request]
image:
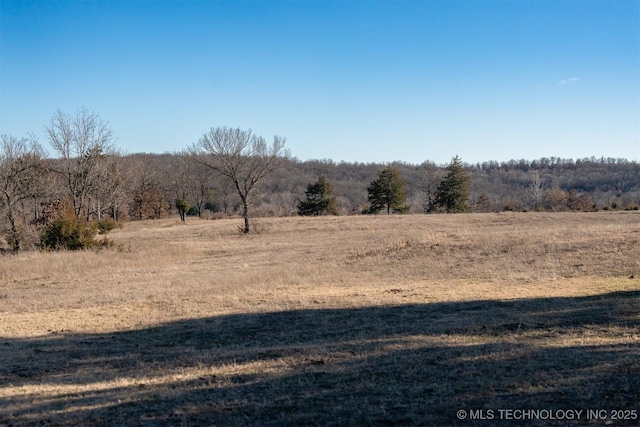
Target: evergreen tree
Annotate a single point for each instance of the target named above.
(453, 191)
(319, 199)
(182, 205)
(387, 192)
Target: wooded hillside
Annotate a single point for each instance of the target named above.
(98, 185)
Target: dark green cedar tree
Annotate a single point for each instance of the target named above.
(387, 192)
(319, 199)
(453, 192)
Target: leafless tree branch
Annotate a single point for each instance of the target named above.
(242, 157)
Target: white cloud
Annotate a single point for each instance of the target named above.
(567, 81)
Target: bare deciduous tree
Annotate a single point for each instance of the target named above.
(227, 192)
(243, 157)
(201, 185)
(20, 179)
(427, 184)
(147, 190)
(86, 146)
(536, 189)
(190, 180)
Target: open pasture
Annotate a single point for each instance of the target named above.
(363, 320)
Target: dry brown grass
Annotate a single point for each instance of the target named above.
(326, 321)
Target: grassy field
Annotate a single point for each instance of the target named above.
(364, 320)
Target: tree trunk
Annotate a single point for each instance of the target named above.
(15, 236)
(245, 215)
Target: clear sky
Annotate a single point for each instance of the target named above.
(366, 81)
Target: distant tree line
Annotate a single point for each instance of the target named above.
(88, 186)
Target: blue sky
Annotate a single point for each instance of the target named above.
(366, 81)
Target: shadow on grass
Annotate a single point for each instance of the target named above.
(390, 365)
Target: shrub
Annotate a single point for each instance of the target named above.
(69, 232)
(106, 225)
(4, 245)
(183, 207)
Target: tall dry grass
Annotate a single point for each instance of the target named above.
(193, 323)
(166, 270)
